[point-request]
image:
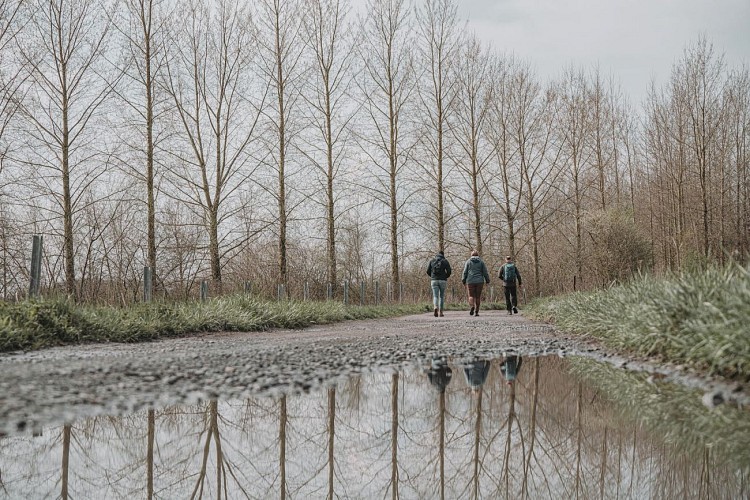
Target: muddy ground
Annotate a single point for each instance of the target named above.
(67, 383)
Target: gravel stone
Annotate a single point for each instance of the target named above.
(66, 383)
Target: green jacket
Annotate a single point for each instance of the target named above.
(475, 272)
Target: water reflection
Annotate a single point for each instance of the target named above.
(543, 431)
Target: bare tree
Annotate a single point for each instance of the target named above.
(702, 72)
(145, 31)
(602, 122)
(574, 128)
(208, 80)
(63, 55)
(665, 147)
(9, 77)
(472, 111)
(387, 87)
(281, 46)
(501, 132)
(331, 40)
(439, 43)
(738, 116)
(535, 112)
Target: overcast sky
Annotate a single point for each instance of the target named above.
(634, 40)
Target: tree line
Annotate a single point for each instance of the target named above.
(306, 140)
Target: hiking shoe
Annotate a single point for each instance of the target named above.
(441, 314)
(510, 313)
(471, 312)
(515, 310)
(436, 312)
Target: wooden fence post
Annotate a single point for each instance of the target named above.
(36, 264)
(147, 284)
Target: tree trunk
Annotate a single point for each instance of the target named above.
(282, 157)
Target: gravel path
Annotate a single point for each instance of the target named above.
(63, 384)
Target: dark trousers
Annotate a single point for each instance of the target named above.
(475, 294)
(511, 296)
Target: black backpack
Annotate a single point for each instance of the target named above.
(438, 268)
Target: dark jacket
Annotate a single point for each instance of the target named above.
(510, 282)
(476, 373)
(439, 268)
(510, 367)
(440, 377)
(475, 272)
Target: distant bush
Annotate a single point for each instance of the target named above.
(620, 249)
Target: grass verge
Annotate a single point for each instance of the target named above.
(701, 318)
(45, 323)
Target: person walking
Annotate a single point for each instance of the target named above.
(510, 368)
(439, 374)
(476, 373)
(475, 275)
(439, 270)
(509, 274)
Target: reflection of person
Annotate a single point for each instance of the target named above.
(510, 367)
(439, 374)
(475, 275)
(476, 373)
(509, 274)
(439, 270)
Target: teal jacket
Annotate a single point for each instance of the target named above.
(475, 272)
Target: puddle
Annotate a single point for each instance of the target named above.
(522, 428)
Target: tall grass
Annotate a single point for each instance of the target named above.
(700, 318)
(38, 324)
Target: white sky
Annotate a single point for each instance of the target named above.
(634, 40)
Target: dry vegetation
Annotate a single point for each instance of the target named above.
(293, 141)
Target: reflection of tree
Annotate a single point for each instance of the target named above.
(532, 431)
(441, 446)
(282, 446)
(223, 466)
(65, 462)
(550, 435)
(579, 436)
(440, 376)
(477, 433)
(150, 453)
(211, 433)
(509, 438)
(331, 435)
(604, 463)
(393, 485)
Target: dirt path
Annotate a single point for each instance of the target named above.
(62, 384)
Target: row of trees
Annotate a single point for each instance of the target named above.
(290, 141)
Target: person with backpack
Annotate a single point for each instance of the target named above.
(510, 367)
(475, 275)
(509, 274)
(439, 270)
